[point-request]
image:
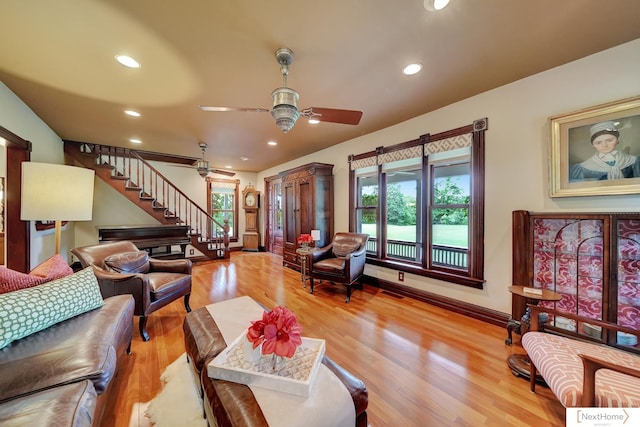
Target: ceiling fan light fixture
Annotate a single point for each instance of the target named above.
(285, 108)
(285, 117)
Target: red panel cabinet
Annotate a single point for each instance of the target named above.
(591, 259)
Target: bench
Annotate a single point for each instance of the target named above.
(583, 371)
(157, 240)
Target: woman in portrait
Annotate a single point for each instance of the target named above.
(608, 162)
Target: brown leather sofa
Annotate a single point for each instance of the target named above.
(121, 268)
(62, 375)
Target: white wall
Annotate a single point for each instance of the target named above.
(17, 117)
(516, 157)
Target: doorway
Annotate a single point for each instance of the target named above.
(17, 235)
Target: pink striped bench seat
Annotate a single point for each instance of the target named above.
(558, 361)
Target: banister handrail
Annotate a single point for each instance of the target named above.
(157, 172)
(131, 165)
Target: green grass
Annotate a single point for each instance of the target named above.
(449, 235)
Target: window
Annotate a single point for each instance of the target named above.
(222, 204)
(422, 204)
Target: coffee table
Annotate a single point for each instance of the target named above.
(230, 404)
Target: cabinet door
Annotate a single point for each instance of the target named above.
(306, 206)
(274, 218)
(289, 214)
(569, 258)
(628, 263)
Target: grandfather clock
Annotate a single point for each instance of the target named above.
(250, 204)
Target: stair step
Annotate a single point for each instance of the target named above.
(121, 177)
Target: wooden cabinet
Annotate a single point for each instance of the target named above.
(591, 259)
(307, 204)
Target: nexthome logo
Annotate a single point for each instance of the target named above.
(602, 417)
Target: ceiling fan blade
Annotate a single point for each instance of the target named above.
(218, 171)
(222, 172)
(347, 117)
(250, 110)
(180, 166)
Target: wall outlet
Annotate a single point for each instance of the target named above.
(192, 252)
(401, 276)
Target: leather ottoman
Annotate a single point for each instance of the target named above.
(229, 404)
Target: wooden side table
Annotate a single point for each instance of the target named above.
(520, 363)
(304, 253)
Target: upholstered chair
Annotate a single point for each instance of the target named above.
(121, 268)
(342, 261)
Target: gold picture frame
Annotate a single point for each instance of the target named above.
(576, 165)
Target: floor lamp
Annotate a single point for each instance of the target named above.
(57, 193)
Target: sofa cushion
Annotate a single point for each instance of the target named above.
(67, 405)
(53, 268)
(129, 262)
(557, 360)
(83, 347)
(30, 310)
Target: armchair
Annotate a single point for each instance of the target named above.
(121, 268)
(341, 261)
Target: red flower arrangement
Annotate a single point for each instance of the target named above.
(278, 331)
(305, 238)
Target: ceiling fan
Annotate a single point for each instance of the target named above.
(202, 166)
(285, 103)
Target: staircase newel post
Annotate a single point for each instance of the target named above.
(225, 239)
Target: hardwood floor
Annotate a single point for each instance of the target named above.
(423, 366)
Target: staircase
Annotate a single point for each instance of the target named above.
(133, 177)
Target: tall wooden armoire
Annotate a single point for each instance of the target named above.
(307, 204)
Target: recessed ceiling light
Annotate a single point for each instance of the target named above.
(135, 140)
(244, 158)
(435, 5)
(412, 69)
(127, 61)
(272, 143)
(229, 167)
(132, 113)
(314, 121)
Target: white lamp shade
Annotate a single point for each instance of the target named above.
(315, 235)
(53, 192)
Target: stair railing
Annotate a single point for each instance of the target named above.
(128, 164)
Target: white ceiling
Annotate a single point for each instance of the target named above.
(58, 56)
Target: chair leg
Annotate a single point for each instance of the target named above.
(142, 324)
(348, 293)
(311, 285)
(186, 303)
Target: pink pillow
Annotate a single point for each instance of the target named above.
(11, 280)
(53, 268)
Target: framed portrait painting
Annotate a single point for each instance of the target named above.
(596, 151)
